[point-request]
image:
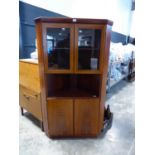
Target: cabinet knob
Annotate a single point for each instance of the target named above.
(27, 96)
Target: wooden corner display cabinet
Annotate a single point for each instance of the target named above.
(73, 63)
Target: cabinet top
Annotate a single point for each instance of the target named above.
(32, 61)
(73, 20)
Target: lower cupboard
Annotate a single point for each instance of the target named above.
(69, 117)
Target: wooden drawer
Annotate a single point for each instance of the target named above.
(30, 101)
(60, 117)
(86, 117)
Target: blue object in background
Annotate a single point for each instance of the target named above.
(27, 34)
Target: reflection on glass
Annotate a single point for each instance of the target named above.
(58, 48)
(88, 49)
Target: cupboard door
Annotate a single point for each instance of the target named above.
(88, 48)
(58, 47)
(86, 117)
(60, 117)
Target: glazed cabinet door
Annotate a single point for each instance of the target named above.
(88, 48)
(60, 117)
(86, 117)
(58, 44)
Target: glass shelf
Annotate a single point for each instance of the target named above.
(61, 48)
(64, 54)
(58, 48)
(88, 49)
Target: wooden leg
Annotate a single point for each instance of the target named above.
(22, 111)
(42, 126)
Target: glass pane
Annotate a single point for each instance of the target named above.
(58, 48)
(89, 41)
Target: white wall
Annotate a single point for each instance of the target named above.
(116, 10)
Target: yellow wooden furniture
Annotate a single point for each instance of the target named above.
(29, 88)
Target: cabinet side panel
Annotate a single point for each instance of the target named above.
(105, 58)
(42, 75)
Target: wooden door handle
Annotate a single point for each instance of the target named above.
(27, 96)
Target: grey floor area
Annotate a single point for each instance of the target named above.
(119, 140)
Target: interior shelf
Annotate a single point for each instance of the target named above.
(73, 85)
(85, 48)
(71, 93)
(62, 48)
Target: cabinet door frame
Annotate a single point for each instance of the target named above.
(91, 105)
(60, 109)
(89, 26)
(59, 25)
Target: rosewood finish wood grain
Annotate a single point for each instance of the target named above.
(69, 106)
(42, 76)
(86, 117)
(107, 37)
(73, 20)
(60, 117)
